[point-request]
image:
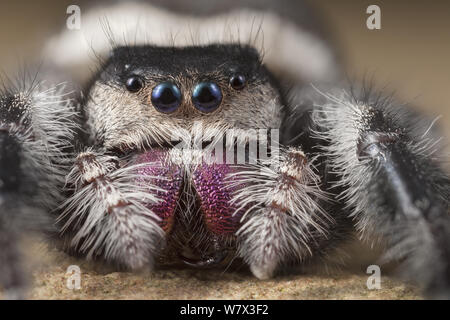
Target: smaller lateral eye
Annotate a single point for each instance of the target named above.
(134, 83)
(237, 81)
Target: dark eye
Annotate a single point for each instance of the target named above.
(134, 83)
(166, 97)
(237, 81)
(207, 96)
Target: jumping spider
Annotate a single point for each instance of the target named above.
(102, 170)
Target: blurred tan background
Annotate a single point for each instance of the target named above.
(411, 52)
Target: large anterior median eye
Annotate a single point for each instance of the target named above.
(207, 96)
(166, 97)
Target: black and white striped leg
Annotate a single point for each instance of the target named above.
(392, 181)
(34, 127)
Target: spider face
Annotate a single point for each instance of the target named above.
(148, 96)
(147, 99)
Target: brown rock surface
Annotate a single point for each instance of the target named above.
(97, 282)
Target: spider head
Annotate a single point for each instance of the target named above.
(146, 96)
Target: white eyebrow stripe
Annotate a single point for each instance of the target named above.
(286, 47)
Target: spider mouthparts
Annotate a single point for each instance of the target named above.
(207, 261)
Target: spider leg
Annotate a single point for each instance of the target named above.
(12, 276)
(284, 221)
(109, 214)
(391, 180)
(34, 128)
